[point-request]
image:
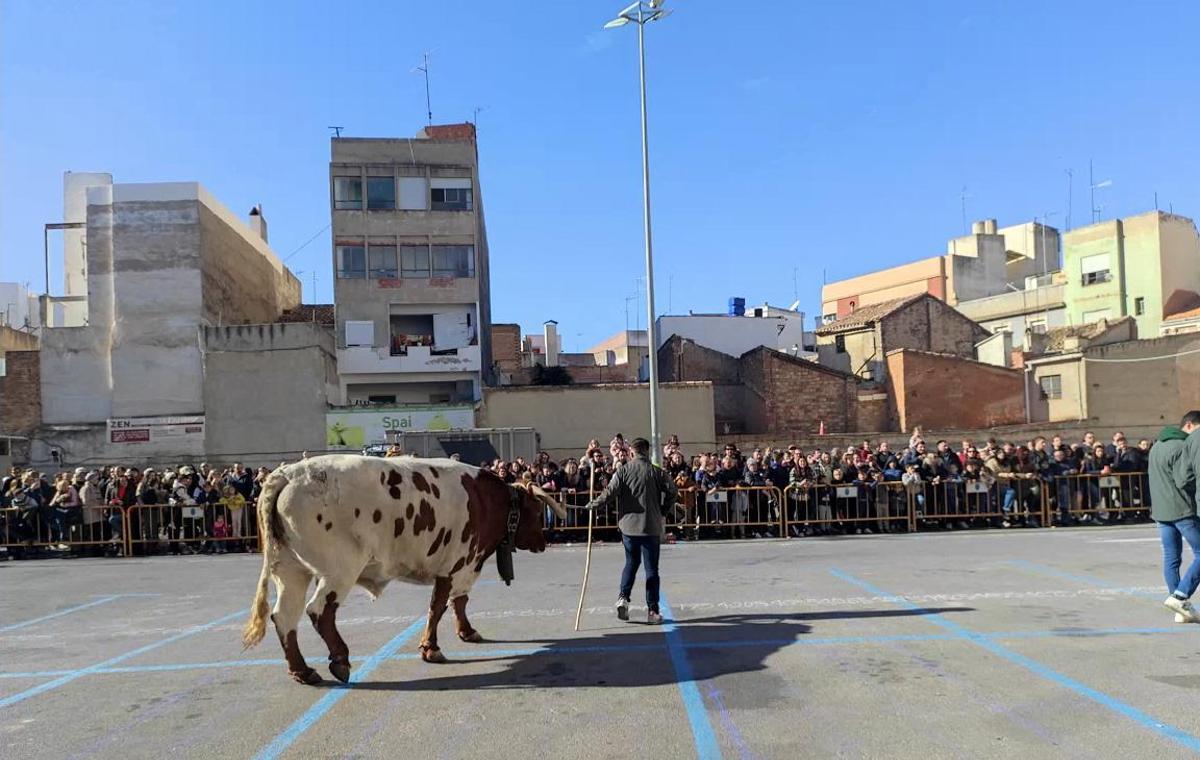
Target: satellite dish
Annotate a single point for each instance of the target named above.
(795, 306)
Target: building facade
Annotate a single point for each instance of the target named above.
(1145, 266)
(859, 343)
(1039, 306)
(988, 262)
(161, 261)
(410, 255)
(779, 329)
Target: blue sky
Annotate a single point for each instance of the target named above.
(795, 138)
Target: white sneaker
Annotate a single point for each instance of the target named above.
(1181, 619)
(1182, 608)
(622, 608)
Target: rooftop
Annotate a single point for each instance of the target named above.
(865, 315)
(1056, 338)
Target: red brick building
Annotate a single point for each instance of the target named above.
(943, 391)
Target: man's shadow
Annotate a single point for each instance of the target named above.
(635, 655)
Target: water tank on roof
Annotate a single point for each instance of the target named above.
(737, 307)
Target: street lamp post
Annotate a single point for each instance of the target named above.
(640, 13)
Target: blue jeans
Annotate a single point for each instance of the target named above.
(639, 550)
(1173, 535)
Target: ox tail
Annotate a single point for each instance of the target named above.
(270, 529)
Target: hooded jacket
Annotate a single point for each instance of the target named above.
(1172, 490)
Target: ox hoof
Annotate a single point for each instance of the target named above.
(432, 654)
(340, 671)
(308, 677)
(472, 637)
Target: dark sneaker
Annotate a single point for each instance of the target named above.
(653, 617)
(622, 608)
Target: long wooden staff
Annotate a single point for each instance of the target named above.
(587, 565)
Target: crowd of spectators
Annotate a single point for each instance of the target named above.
(188, 509)
(719, 495)
(866, 488)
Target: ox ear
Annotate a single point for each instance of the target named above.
(548, 501)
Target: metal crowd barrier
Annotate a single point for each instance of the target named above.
(1086, 497)
(821, 509)
(169, 529)
(722, 512)
(974, 502)
(78, 529)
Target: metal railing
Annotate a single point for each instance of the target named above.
(821, 509)
(28, 531)
(180, 529)
(1099, 497)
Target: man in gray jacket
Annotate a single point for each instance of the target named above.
(1171, 468)
(642, 492)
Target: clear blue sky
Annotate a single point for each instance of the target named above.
(813, 137)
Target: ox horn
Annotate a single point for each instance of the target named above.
(549, 501)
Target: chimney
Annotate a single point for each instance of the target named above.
(551, 335)
(989, 226)
(258, 222)
(978, 228)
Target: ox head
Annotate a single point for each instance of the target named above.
(534, 501)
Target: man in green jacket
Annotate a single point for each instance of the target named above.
(1172, 470)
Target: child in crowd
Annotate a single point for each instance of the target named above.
(220, 531)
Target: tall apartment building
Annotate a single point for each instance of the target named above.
(1145, 266)
(413, 309)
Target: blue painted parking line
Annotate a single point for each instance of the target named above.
(75, 674)
(1108, 701)
(702, 731)
(60, 613)
(323, 705)
(477, 654)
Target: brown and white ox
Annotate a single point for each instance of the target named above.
(348, 519)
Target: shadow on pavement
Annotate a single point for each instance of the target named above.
(715, 646)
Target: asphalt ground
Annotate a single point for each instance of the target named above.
(1024, 643)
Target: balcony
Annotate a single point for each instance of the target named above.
(381, 359)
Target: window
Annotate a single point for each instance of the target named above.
(839, 343)
(360, 333)
(453, 260)
(1037, 326)
(382, 399)
(414, 261)
(1094, 269)
(1139, 307)
(382, 259)
(413, 194)
(450, 199)
(1051, 386)
(381, 193)
(347, 193)
(351, 260)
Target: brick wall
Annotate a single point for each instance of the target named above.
(930, 325)
(683, 360)
(942, 391)
(20, 393)
(789, 395)
(464, 131)
(872, 410)
(506, 346)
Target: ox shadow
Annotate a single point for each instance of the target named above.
(637, 656)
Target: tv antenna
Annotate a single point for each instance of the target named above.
(962, 196)
(1097, 211)
(337, 131)
(424, 69)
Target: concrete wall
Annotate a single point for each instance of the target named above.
(238, 286)
(975, 267)
(1180, 269)
(567, 417)
(20, 393)
(16, 340)
(267, 388)
(996, 350)
(938, 391)
(1103, 238)
(1158, 392)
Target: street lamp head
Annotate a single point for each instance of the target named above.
(619, 21)
(660, 15)
(639, 13)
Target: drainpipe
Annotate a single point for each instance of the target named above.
(1028, 415)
